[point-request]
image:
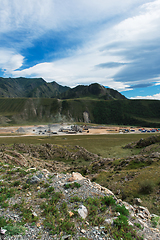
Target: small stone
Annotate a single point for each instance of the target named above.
(70, 213)
(3, 231)
(83, 231)
(66, 237)
(140, 215)
(40, 175)
(75, 176)
(137, 201)
(83, 212)
(30, 169)
(130, 223)
(38, 224)
(29, 194)
(34, 214)
(33, 180)
(87, 223)
(110, 220)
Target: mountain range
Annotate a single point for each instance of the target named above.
(39, 88)
(33, 100)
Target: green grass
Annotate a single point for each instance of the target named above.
(142, 183)
(113, 176)
(109, 145)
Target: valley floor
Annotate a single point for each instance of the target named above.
(63, 129)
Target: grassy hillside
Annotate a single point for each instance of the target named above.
(119, 112)
(128, 112)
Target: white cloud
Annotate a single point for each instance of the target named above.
(9, 60)
(77, 69)
(38, 16)
(57, 15)
(143, 26)
(154, 97)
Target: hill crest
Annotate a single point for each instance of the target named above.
(39, 88)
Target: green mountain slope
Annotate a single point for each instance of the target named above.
(120, 112)
(18, 87)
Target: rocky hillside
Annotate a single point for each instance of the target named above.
(39, 88)
(29, 87)
(38, 201)
(94, 90)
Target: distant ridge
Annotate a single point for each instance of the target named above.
(94, 90)
(29, 87)
(39, 88)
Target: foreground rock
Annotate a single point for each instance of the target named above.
(75, 194)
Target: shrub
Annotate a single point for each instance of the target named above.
(26, 185)
(138, 225)
(122, 210)
(2, 222)
(4, 194)
(108, 200)
(27, 215)
(72, 185)
(75, 199)
(47, 193)
(121, 221)
(93, 201)
(16, 183)
(146, 187)
(77, 185)
(15, 229)
(67, 227)
(11, 229)
(154, 221)
(22, 173)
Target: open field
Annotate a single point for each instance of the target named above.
(98, 141)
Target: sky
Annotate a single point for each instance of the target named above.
(79, 42)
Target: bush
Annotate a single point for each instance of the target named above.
(75, 199)
(72, 185)
(146, 187)
(154, 221)
(121, 221)
(122, 210)
(11, 229)
(16, 183)
(14, 230)
(109, 201)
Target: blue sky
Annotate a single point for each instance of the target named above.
(114, 43)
